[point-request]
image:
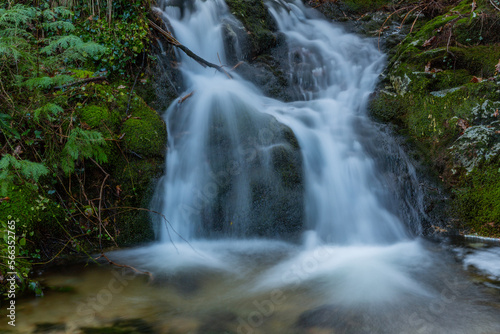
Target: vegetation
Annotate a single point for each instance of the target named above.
(74, 163)
(442, 90)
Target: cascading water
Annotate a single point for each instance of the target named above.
(235, 170)
(214, 177)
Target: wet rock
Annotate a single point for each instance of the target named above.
(478, 144)
(337, 318)
(50, 328)
(257, 178)
(125, 326)
(219, 323)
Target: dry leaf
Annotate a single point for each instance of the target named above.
(497, 67)
(474, 5)
(495, 114)
(428, 67)
(429, 41)
(463, 124)
(476, 79)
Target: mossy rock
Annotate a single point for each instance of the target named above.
(100, 117)
(37, 215)
(261, 26)
(145, 132)
(478, 200)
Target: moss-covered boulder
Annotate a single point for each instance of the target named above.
(99, 116)
(145, 131)
(442, 89)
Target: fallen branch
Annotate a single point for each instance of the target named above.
(497, 8)
(171, 40)
(184, 98)
(125, 266)
(79, 82)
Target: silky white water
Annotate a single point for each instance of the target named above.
(342, 191)
(366, 249)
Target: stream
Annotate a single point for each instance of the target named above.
(281, 217)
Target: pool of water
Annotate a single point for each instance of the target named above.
(265, 286)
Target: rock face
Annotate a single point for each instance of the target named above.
(258, 177)
(257, 49)
(441, 89)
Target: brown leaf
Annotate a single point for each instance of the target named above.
(4, 199)
(474, 5)
(463, 124)
(428, 67)
(429, 41)
(497, 67)
(476, 79)
(495, 114)
(18, 150)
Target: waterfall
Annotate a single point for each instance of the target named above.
(225, 139)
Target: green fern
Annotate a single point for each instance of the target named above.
(82, 144)
(30, 171)
(47, 111)
(18, 15)
(39, 82)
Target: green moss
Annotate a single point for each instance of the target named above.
(145, 132)
(37, 214)
(478, 200)
(99, 117)
(254, 15)
(478, 60)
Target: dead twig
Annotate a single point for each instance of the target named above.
(493, 4)
(184, 98)
(79, 82)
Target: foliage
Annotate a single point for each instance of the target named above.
(442, 89)
(58, 130)
(82, 144)
(125, 33)
(11, 168)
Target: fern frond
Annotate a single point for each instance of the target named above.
(82, 144)
(58, 25)
(61, 43)
(39, 82)
(18, 15)
(62, 79)
(9, 51)
(48, 110)
(56, 13)
(82, 52)
(29, 169)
